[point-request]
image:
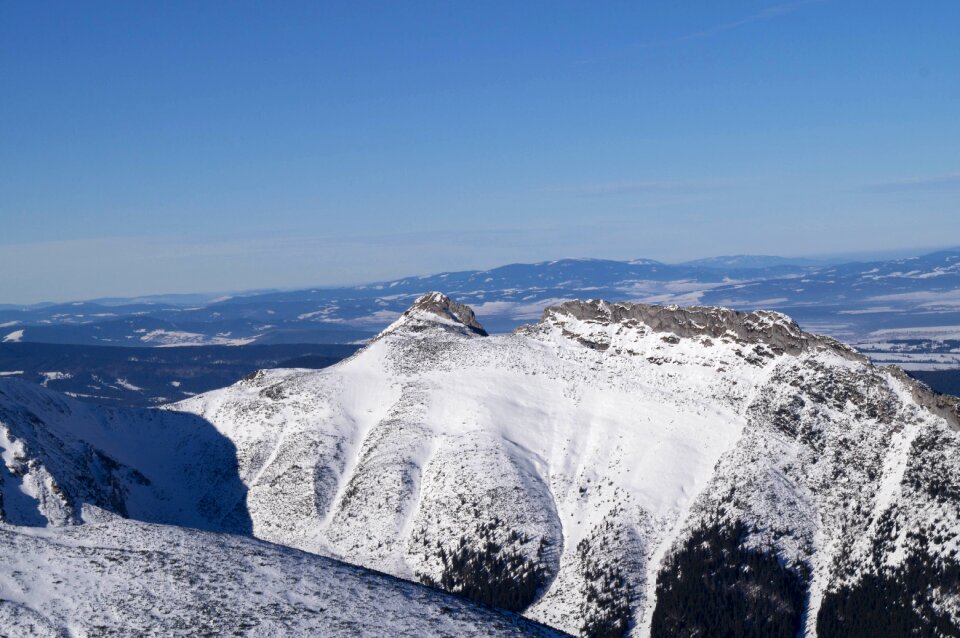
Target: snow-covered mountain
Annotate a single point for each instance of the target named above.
(615, 468)
(74, 562)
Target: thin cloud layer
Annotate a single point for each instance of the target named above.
(921, 183)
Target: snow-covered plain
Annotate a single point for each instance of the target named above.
(173, 338)
(13, 337)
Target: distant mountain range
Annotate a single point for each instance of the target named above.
(903, 309)
(752, 261)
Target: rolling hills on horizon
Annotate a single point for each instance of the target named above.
(886, 302)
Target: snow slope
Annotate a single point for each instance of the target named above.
(113, 577)
(159, 466)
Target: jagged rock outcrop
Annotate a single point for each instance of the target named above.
(436, 309)
(441, 305)
(772, 329)
(943, 405)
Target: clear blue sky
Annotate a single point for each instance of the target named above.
(178, 147)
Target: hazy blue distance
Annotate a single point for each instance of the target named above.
(182, 147)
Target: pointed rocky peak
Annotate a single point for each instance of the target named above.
(773, 329)
(436, 309)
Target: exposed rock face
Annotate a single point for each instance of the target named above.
(441, 305)
(940, 404)
(772, 329)
(436, 309)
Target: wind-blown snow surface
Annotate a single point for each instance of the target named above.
(578, 452)
(601, 433)
(114, 577)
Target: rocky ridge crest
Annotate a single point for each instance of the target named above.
(773, 329)
(436, 309)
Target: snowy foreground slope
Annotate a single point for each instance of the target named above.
(125, 578)
(615, 468)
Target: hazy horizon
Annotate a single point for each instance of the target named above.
(188, 148)
(817, 259)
